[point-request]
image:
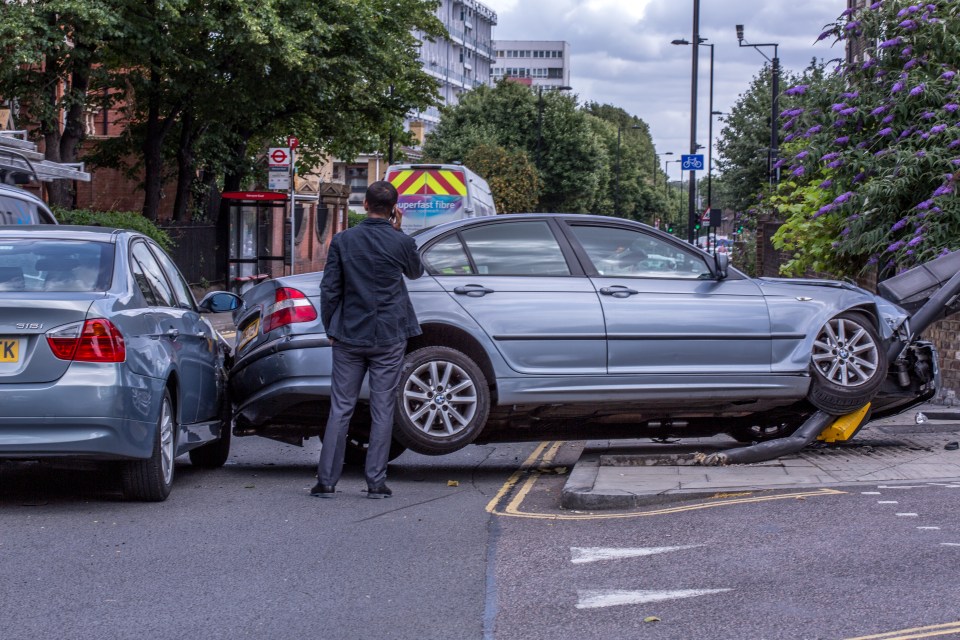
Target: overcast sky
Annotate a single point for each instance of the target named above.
(621, 51)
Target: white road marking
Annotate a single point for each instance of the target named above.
(950, 544)
(870, 493)
(596, 599)
(887, 502)
(929, 528)
(942, 484)
(906, 515)
(581, 555)
(902, 486)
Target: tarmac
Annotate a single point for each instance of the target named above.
(622, 474)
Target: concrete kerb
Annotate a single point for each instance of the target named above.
(630, 474)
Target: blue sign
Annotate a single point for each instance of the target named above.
(692, 162)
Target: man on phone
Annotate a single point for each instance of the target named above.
(368, 316)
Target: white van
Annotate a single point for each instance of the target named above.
(431, 194)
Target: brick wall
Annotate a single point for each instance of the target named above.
(946, 335)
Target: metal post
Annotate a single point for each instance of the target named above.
(691, 213)
(293, 205)
(616, 195)
(774, 111)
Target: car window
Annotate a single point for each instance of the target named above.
(447, 258)
(616, 251)
(55, 265)
(17, 211)
(181, 290)
(153, 277)
(526, 248)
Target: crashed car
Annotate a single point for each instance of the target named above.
(579, 327)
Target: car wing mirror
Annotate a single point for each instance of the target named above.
(721, 262)
(220, 302)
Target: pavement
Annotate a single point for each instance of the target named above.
(622, 474)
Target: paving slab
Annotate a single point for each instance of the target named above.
(622, 474)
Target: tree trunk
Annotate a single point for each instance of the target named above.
(156, 132)
(63, 192)
(186, 165)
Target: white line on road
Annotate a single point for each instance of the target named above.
(581, 555)
(906, 515)
(903, 486)
(929, 528)
(870, 493)
(596, 599)
(887, 502)
(950, 544)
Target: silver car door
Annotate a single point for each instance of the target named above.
(664, 311)
(515, 280)
(200, 340)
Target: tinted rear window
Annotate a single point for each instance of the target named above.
(17, 211)
(55, 265)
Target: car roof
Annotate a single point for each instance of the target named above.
(17, 192)
(63, 232)
(467, 222)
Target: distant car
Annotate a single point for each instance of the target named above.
(104, 355)
(577, 326)
(21, 207)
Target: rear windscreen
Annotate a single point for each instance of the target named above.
(17, 211)
(55, 265)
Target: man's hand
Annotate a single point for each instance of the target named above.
(397, 217)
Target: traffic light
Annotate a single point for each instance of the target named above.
(696, 227)
(669, 227)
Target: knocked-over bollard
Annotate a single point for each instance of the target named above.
(771, 449)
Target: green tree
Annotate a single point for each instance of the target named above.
(50, 55)
(878, 140)
(511, 175)
(571, 156)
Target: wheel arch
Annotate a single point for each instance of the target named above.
(445, 335)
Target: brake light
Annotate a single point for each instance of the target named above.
(96, 340)
(291, 306)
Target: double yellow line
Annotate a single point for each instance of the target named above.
(946, 629)
(542, 458)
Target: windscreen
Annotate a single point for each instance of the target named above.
(55, 265)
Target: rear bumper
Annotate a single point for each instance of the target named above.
(94, 411)
(278, 377)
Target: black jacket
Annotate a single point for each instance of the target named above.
(363, 298)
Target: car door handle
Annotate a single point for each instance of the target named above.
(618, 291)
(472, 290)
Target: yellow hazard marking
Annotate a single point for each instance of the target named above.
(545, 453)
(437, 188)
(400, 177)
(454, 181)
(844, 426)
(949, 628)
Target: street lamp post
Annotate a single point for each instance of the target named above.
(540, 117)
(616, 197)
(774, 107)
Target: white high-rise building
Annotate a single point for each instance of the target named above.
(540, 63)
(461, 63)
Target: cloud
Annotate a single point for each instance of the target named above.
(621, 51)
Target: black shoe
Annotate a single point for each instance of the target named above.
(323, 491)
(376, 493)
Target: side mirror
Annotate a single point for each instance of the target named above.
(220, 302)
(721, 262)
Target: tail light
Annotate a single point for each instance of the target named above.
(291, 306)
(95, 340)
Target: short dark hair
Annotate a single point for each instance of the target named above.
(381, 197)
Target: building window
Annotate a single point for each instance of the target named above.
(556, 73)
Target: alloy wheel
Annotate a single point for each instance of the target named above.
(440, 398)
(845, 353)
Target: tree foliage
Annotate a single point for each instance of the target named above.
(573, 149)
(876, 144)
(511, 175)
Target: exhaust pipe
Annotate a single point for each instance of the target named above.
(763, 451)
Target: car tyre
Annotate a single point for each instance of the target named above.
(150, 480)
(848, 364)
(443, 401)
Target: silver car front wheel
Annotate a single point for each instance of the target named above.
(848, 362)
(442, 401)
(151, 479)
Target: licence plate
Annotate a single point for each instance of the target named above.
(9, 350)
(249, 333)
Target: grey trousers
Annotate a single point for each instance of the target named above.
(350, 363)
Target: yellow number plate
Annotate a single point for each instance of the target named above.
(249, 333)
(9, 350)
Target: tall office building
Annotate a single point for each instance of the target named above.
(460, 63)
(540, 63)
